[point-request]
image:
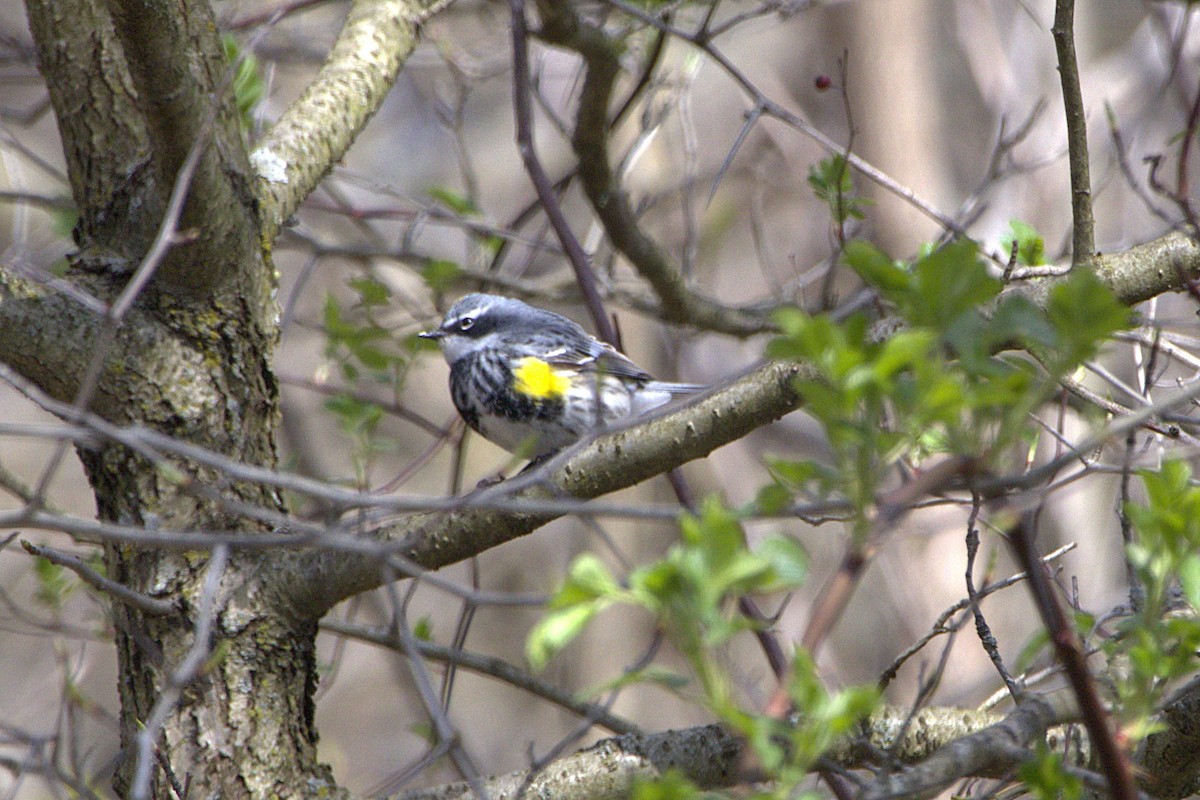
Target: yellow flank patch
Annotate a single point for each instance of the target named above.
(536, 378)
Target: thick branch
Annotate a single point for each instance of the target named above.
(983, 753)
(150, 375)
(105, 140)
(710, 756)
(1140, 273)
(317, 130)
(314, 581)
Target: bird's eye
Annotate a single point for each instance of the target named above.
(465, 323)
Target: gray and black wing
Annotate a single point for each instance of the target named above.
(591, 353)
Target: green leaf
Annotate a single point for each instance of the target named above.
(587, 580)
(1084, 313)
(875, 268)
(1031, 250)
(371, 292)
(248, 84)
(950, 282)
(1037, 643)
(589, 587)
(671, 785)
(903, 351)
(1048, 779)
(1189, 579)
(355, 417)
(793, 473)
(54, 583)
(717, 532)
(1018, 320)
(667, 679)
(453, 201)
(335, 324)
(833, 182)
(788, 560)
(556, 630)
(772, 499)
(440, 275)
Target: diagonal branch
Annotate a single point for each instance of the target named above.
(317, 130)
(1070, 653)
(983, 753)
(310, 582)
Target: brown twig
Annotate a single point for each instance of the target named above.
(1084, 235)
(541, 181)
(144, 603)
(1113, 760)
(838, 590)
(982, 629)
(563, 26)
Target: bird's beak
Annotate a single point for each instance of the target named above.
(434, 334)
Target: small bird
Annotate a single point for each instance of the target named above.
(533, 381)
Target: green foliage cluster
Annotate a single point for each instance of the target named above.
(1047, 777)
(691, 593)
(1156, 645)
(246, 80)
(954, 376)
(832, 182)
(364, 350)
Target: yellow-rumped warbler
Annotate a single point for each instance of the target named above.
(533, 381)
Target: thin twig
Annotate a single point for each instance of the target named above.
(982, 629)
(486, 665)
(541, 181)
(1083, 247)
(1070, 653)
(942, 624)
(144, 603)
(446, 732)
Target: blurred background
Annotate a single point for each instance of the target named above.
(958, 101)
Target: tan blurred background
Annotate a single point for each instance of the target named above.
(931, 85)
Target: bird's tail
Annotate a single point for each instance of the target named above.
(659, 393)
(676, 388)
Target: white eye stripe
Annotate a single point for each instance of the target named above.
(465, 321)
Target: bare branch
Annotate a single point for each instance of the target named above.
(146, 604)
(1070, 654)
(1084, 236)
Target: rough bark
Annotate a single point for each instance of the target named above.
(138, 89)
